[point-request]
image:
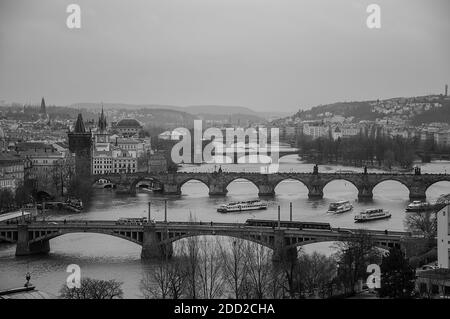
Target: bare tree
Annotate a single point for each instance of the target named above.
(210, 271)
(93, 289)
(189, 252)
(166, 281)
(259, 269)
(234, 266)
(425, 223)
(318, 272)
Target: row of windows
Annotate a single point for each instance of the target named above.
(106, 161)
(133, 165)
(129, 170)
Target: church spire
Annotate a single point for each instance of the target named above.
(79, 125)
(102, 122)
(43, 110)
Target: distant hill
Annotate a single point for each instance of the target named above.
(207, 111)
(359, 110)
(370, 110)
(434, 115)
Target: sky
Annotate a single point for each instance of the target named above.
(269, 55)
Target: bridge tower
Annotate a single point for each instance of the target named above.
(80, 143)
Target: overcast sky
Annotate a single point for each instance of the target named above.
(264, 54)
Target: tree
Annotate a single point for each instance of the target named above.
(425, 223)
(93, 289)
(211, 280)
(259, 263)
(6, 199)
(353, 256)
(397, 276)
(234, 266)
(167, 280)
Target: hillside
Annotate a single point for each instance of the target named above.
(208, 111)
(413, 110)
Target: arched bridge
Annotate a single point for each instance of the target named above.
(156, 238)
(217, 182)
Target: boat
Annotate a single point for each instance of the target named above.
(340, 207)
(241, 206)
(419, 206)
(74, 204)
(372, 214)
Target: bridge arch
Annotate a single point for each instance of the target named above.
(351, 182)
(193, 179)
(239, 178)
(385, 246)
(249, 238)
(437, 188)
(133, 236)
(43, 195)
(144, 179)
(303, 188)
(390, 180)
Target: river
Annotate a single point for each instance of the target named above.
(106, 257)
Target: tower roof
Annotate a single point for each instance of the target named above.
(79, 125)
(43, 106)
(102, 122)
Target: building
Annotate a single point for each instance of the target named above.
(174, 135)
(443, 234)
(80, 143)
(315, 130)
(124, 161)
(119, 154)
(128, 127)
(157, 162)
(336, 133)
(442, 138)
(434, 283)
(3, 143)
(12, 171)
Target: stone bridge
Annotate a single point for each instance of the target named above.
(156, 238)
(217, 183)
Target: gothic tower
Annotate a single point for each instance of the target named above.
(80, 143)
(43, 110)
(102, 135)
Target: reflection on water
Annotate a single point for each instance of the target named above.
(106, 257)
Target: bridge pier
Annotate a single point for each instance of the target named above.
(24, 247)
(217, 189)
(124, 189)
(152, 248)
(281, 253)
(171, 189)
(315, 191)
(266, 190)
(365, 192)
(417, 192)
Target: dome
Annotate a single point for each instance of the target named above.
(128, 123)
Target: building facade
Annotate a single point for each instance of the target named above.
(443, 220)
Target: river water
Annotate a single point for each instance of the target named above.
(107, 257)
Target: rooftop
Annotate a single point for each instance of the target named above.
(28, 292)
(128, 123)
(439, 273)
